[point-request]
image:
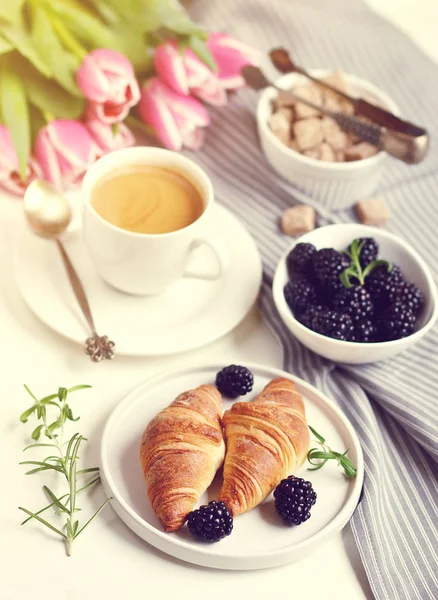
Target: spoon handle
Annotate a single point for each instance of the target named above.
(77, 287)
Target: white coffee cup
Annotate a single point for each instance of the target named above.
(141, 263)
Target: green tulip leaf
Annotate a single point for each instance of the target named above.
(10, 10)
(5, 46)
(47, 95)
(19, 38)
(15, 111)
(107, 12)
(62, 64)
(172, 16)
(87, 28)
(202, 51)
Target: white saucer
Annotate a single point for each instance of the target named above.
(259, 539)
(189, 314)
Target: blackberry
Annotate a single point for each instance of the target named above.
(382, 284)
(354, 301)
(396, 322)
(328, 264)
(234, 381)
(332, 324)
(411, 296)
(299, 259)
(306, 317)
(211, 523)
(364, 331)
(294, 497)
(368, 252)
(299, 294)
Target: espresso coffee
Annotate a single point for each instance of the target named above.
(147, 199)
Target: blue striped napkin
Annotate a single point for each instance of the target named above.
(392, 405)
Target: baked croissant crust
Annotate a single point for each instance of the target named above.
(181, 450)
(267, 440)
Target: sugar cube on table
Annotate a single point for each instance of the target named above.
(373, 211)
(308, 133)
(298, 220)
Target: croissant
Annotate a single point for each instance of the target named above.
(181, 450)
(267, 440)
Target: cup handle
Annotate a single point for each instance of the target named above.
(220, 256)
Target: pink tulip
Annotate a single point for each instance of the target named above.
(65, 149)
(177, 120)
(186, 74)
(106, 139)
(230, 56)
(107, 80)
(9, 168)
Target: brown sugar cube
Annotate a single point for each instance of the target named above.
(288, 112)
(336, 79)
(284, 99)
(311, 93)
(327, 153)
(308, 133)
(293, 145)
(313, 152)
(298, 220)
(339, 156)
(360, 151)
(331, 101)
(333, 134)
(373, 211)
(280, 126)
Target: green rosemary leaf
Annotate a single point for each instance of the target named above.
(44, 509)
(24, 416)
(90, 470)
(376, 263)
(62, 394)
(55, 500)
(94, 516)
(30, 393)
(37, 432)
(38, 446)
(78, 387)
(69, 446)
(345, 277)
(46, 523)
(47, 399)
(65, 463)
(317, 435)
(69, 414)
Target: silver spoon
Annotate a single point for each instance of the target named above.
(49, 214)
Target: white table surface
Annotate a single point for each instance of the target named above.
(110, 561)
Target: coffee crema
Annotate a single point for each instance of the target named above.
(147, 199)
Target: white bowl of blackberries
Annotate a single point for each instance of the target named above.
(355, 294)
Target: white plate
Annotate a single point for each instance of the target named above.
(259, 539)
(189, 314)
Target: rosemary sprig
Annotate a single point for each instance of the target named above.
(355, 270)
(64, 461)
(326, 454)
